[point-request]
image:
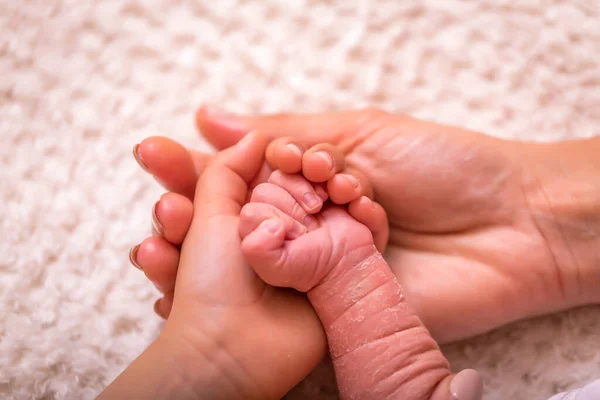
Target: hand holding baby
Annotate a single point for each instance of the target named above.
(230, 335)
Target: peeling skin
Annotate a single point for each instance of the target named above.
(379, 348)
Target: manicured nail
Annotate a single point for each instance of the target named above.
(133, 256)
(294, 149)
(326, 157)
(156, 225)
(271, 225)
(138, 157)
(466, 385)
(311, 222)
(353, 181)
(311, 201)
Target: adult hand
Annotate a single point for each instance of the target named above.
(481, 230)
(229, 335)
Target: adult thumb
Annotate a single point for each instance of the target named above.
(223, 129)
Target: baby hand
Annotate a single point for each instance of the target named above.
(289, 247)
(380, 349)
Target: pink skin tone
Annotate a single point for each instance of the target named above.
(379, 347)
(457, 201)
(437, 228)
(172, 214)
(230, 335)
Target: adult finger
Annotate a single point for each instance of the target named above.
(173, 166)
(348, 186)
(158, 259)
(372, 215)
(321, 162)
(163, 306)
(172, 216)
(223, 129)
(212, 241)
(285, 154)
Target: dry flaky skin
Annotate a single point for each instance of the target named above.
(81, 84)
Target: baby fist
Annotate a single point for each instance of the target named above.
(287, 246)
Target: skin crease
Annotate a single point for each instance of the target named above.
(355, 294)
(469, 220)
(229, 335)
(222, 312)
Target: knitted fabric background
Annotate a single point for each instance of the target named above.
(81, 82)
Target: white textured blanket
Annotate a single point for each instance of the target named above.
(82, 81)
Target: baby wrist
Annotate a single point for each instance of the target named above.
(350, 283)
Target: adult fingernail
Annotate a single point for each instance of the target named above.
(311, 201)
(353, 181)
(133, 256)
(156, 225)
(294, 149)
(325, 157)
(271, 225)
(138, 157)
(466, 385)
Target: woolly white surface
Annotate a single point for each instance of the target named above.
(81, 82)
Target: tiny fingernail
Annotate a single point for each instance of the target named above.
(311, 222)
(294, 149)
(156, 225)
(353, 181)
(138, 157)
(297, 230)
(466, 385)
(271, 225)
(133, 256)
(326, 157)
(322, 193)
(311, 201)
